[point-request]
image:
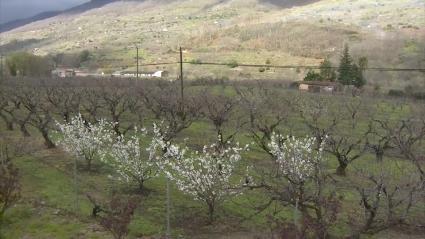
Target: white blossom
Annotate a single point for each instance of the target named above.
(126, 156)
(204, 175)
(297, 158)
(83, 139)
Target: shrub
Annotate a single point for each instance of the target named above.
(196, 61)
(396, 93)
(26, 64)
(419, 95)
(326, 71)
(312, 76)
(233, 64)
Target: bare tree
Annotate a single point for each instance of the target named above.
(4, 104)
(41, 113)
(408, 137)
(9, 181)
(377, 139)
(220, 110)
(346, 143)
(387, 196)
(117, 103)
(319, 115)
(117, 215)
(65, 101)
(165, 102)
(266, 110)
(19, 114)
(91, 105)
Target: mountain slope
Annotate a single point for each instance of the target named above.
(246, 31)
(45, 15)
(22, 22)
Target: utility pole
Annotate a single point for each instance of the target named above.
(168, 233)
(137, 60)
(77, 207)
(1, 67)
(168, 230)
(181, 75)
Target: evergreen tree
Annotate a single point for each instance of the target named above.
(345, 67)
(351, 73)
(327, 73)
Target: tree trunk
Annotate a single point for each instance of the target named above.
(9, 123)
(321, 230)
(24, 130)
(9, 126)
(48, 142)
(370, 220)
(211, 210)
(141, 186)
(341, 170)
(1, 222)
(379, 154)
(89, 164)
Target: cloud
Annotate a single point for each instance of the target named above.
(17, 9)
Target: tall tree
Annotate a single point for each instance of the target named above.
(351, 73)
(345, 67)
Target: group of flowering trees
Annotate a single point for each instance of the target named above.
(204, 175)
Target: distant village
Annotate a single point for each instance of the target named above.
(306, 86)
(63, 72)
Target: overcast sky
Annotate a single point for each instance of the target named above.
(17, 9)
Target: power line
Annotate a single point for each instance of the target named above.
(386, 69)
(161, 64)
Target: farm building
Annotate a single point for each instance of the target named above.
(153, 74)
(318, 86)
(69, 72)
(64, 72)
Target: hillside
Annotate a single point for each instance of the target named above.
(245, 31)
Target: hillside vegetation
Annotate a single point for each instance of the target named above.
(243, 31)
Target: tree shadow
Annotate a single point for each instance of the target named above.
(288, 3)
(88, 6)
